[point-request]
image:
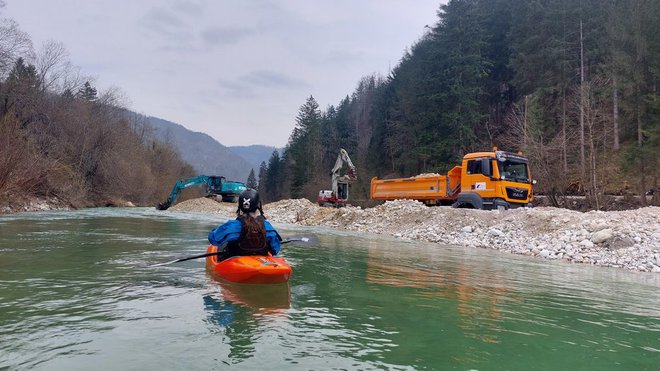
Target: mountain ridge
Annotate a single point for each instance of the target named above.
(207, 155)
(255, 154)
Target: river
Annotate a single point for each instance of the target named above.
(77, 292)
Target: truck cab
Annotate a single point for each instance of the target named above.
(495, 180)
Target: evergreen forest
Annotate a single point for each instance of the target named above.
(571, 84)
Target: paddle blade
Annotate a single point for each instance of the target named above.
(308, 240)
(166, 263)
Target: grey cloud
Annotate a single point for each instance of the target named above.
(171, 28)
(189, 8)
(225, 35)
(340, 57)
(273, 79)
(162, 21)
(232, 89)
(248, 86)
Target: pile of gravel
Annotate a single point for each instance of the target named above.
(625, 239)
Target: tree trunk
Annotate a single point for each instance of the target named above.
(525, 125)
(592, 158)
(615, 115)
(564, 151)
(582, 156)
(640, 142)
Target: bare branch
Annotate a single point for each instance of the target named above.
(14, 43)
(52, 62)
(115, 97)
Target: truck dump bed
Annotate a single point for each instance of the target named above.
(423, 188)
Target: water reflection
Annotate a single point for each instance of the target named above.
(475, 298)
(264, 299)
(243, 314)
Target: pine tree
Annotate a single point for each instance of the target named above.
(252, 180)
(87, 92)
(274, 179)
(24, 75)
(303, 151)
(263, 171)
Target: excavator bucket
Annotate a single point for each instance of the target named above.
(163, 206)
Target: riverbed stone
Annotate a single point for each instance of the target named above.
(621, 242)
(587, 244)
(602, 235)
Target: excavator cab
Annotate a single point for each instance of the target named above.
(342, 191)
(214, 185)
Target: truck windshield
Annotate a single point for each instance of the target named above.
(513, 171)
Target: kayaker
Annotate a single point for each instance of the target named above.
(249, 233)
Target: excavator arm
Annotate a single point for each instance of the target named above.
(212, 184)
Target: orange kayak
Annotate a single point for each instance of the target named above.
(249, 268)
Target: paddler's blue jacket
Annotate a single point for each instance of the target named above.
(231, 231)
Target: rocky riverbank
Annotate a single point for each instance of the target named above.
(34, 204)
(624, 239)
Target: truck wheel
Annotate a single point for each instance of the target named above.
(462, 205)
(500, 204)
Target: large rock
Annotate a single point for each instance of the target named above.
(602, 235)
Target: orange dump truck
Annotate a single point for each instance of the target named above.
(485, 180)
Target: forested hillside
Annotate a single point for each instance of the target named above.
(205, 154)
(61, 138)
(572, 84)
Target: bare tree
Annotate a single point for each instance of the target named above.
(593, 101)
(14, 43)
(21, 170)
(582, 103)
(542, 152)
(71, 80)
(114, 97)
(52, 64)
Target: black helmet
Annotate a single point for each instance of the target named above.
(249, 201)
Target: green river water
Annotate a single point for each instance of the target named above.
(77, 293)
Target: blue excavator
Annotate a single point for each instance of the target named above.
(215, 186)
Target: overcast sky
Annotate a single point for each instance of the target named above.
(237, 70)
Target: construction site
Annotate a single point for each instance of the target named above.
(627, 239)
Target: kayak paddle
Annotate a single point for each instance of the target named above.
(304, 240)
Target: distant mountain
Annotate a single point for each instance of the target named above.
(255, 154)
(204, 153)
